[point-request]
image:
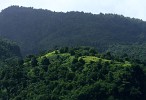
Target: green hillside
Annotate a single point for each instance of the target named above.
(8, 49)
(73, 74)
(37, 30)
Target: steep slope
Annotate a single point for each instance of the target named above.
(36, 29)
(74, 74)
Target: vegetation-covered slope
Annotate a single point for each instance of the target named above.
(73, 74)
(36, 29)
(137, 51)
(8, 49)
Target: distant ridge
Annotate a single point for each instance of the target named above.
(36, 30)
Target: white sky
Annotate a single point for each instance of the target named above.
(130, 8)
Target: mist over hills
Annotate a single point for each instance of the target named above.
(36, 30)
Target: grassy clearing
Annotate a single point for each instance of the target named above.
(127, 64)
(50, 54)
(88, 59)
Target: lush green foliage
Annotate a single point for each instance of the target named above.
(36, 30)
(73, 74)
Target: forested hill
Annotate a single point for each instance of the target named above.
(36, 29)
(8, 49)
(73, 74)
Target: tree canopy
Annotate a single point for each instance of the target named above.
(82, 76)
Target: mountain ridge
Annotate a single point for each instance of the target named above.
(36, 30)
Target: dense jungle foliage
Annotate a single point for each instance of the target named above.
(8, 49)
(73, 74)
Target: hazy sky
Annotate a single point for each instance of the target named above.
(130, 8)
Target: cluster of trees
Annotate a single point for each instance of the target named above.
(73, 74)
(136, 51)
(36, 29)
(8, 49)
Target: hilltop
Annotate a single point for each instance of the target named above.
(74, 74)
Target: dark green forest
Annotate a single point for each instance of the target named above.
(46, 55)
(73, 74)
(9, 49)
(37, 30)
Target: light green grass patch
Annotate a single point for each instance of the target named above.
(105, 60)
(64, 54)
(50, 54)
(88, 59)
(127, 64)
